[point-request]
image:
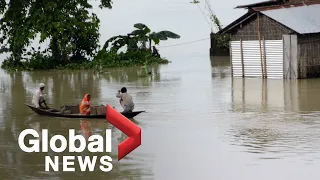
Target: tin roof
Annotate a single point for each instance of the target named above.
(302, 19)
(235, 23)
(264, 3)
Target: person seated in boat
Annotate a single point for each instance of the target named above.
(38, 98)
(85, 105)
(125, 100)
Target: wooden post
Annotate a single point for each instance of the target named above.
(290, 59)
(264, 95)
(242, 63)
(230, 52)
(265, 58)
(262, 73)
(243, 94)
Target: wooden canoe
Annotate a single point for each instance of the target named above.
(57, 113)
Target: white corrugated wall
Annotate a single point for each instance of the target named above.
(273, 49)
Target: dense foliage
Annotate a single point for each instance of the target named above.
(73, 34)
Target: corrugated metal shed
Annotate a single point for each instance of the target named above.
(302, 19)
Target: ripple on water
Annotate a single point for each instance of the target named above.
(277, 135)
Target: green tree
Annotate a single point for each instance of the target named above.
(71, 29)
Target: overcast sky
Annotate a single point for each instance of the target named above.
(177, 15)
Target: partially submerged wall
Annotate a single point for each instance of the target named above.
(309, 55)
(215, 50)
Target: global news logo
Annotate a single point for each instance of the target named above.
(96, 143)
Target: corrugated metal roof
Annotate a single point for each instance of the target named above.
(302, 19)
(263, 3)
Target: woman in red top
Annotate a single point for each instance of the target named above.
(85, 105)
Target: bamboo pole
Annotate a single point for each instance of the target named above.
(265, 58)
(262, 73)
(242, 63)
(231, 62)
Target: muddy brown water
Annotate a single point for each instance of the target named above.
(200, 122)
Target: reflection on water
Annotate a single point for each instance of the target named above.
(253, 94)
(220, 66)
(130, 75)
(279, 118)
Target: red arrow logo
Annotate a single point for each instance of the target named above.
(126, 126)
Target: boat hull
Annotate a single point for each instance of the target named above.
(58, 114)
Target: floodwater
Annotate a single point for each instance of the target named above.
(200, 123)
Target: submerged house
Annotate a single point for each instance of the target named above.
(276, 39)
